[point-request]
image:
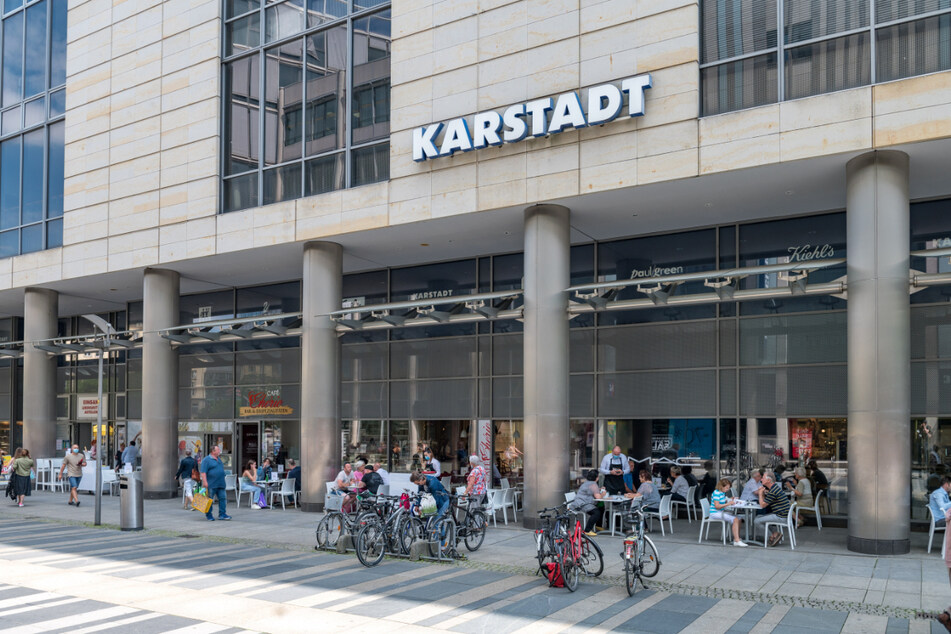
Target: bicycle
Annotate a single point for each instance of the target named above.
(337, 523)
(471, 528)
(381, 531)
(640, 555)
(575, 553)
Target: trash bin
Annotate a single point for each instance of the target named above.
(130, 502)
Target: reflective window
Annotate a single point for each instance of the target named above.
(299, 140)
(824, 46)
(32, 104)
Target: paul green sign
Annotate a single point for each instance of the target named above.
(540, 117)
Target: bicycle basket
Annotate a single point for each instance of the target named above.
(333, 503)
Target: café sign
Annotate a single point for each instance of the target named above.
(604, 104)
(265, 403)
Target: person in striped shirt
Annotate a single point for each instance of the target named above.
(777, 503)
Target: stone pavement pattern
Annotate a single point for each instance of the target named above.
(816, 587)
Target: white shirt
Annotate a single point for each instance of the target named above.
(343, 477)
(608, 459)
(385, 475)
(437, 466)
(749, 491)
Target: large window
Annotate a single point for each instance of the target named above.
(287, 90)
(32, 103)
(756, 52)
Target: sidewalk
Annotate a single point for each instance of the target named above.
(820, 573)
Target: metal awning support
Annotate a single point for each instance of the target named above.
(429, 311)
(920, 280)
(224, 330)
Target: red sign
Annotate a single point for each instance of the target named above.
(265, 403)
(801, 442)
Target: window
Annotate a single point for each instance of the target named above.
(284, 133)
(756, 52)
(32, 102)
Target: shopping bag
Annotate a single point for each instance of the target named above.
(555, 580)
(201, 502)
(427, 505)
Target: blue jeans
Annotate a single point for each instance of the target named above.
(222, 502)
(442, 505)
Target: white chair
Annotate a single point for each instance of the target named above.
(934, 526)
(230, 486)
(446, 482)
(505, 483)
(706, 520)
(570, 496)
(331, 486)
(689, 504)
(663, 513)
(501, 500)
(787, 524)
(383, 489)
(494, 503)
(61, 484)
(814, 509)
(286, 490)
(460, 490)
(618, 512)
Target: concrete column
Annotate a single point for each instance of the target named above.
(320, 372)
(159, 385)
(547, 260)
(879, 353)
(40, 313)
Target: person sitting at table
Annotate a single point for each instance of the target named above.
(264, 471)
(359, 468)
(647, 491)
(586, 501)
(371, 479)
(294, 473)
(383, 473)
(802, 493)
(817, 477)
(776, 505)
(629, 476)
(752, 488)
(709, 482)
(247, 484)
(720, 511)
(613, 467)
(940, 501)
(679, 487)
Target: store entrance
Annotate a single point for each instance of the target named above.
(249, 444)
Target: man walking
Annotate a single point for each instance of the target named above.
(213, 479)
(73, 463)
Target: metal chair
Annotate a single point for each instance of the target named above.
(286, 490)
(706, 520)
(689, 504)
(230, 486)
(934, 526)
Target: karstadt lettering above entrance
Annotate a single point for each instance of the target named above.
(604, 104)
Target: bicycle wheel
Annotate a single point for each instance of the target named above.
(649, 560)
(409, 530)
(329, 529)
(371, 544)
(443, 535)
(630, 576)
(543, 552)
(569, 565)
(591, 558)
(475, 530)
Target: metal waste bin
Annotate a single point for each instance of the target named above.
(130, 502)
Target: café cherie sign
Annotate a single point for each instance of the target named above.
(604, 104)
(265, 403)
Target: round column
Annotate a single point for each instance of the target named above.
(547, 265)
(159, 444)
(879, 449)
(320, 372)
(40, 314)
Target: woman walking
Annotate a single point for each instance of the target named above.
(20, 467)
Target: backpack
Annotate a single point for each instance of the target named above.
(555, 580)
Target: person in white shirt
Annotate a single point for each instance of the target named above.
(679, 486)
(430, 464)
(753, 490)
(613, 467)
(383, 473)
(346, 478)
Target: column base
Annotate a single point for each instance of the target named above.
(531, 522)
(879, 546)
(312, 507)
(160, 495)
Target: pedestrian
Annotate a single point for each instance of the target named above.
(129, 455)
(213, 479)
(20, 466)
(73, 465)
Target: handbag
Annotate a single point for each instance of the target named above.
(201, 502)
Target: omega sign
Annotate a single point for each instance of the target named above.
(604, 104)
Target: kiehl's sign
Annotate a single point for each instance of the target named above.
(604, 104)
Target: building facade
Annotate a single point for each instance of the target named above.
(714, 231)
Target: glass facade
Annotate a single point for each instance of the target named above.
(32, 104)
(756, 52)
(306, 98)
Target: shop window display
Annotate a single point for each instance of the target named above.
(509, 449)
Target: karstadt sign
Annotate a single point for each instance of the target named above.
(604, 104)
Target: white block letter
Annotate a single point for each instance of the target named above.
(567, 112)
(423, 142)
(635, 87)
(604, 104)
(456, 138)
(538, 109)
(486, 126)
(517, 129)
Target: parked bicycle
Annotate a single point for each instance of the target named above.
(337, 522)
(640, 555)
(383, 530)
(574, 552)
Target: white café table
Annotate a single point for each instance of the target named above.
(747, 508)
